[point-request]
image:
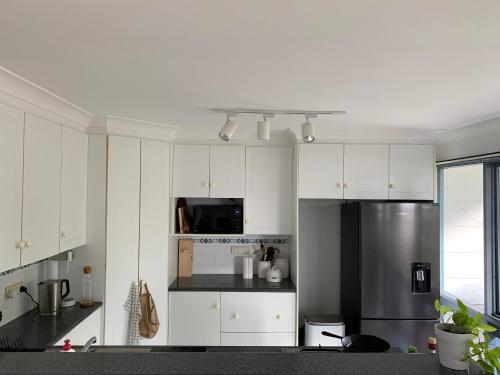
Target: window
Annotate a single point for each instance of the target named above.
(462, 225)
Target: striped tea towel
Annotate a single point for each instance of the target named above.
(133, 305)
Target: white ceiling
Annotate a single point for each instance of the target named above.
(415, 65)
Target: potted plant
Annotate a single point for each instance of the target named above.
(462, 338)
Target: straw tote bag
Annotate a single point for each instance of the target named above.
(149, 323)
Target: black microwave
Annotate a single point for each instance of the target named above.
(218, 219)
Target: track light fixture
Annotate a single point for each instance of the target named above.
(229, 128)
(308, 129)
(264, 128)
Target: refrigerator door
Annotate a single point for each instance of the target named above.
(401, 333)
(399, 260)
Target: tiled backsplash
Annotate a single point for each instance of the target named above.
(213, 255)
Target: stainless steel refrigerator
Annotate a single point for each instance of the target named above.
(390, 271)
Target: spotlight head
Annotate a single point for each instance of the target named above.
(264, 130)
(227, 130)
(308, 131)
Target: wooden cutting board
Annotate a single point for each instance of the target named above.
(185, 258)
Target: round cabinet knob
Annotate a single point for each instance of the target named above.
(236, 316)
(279, 317)
(27, 244)
(217, 306)
(20, 245)
(392, 186)
(63, 234)
(247, 221)
(204, 184)
(211, 184)
(339, 184)
(347, 186)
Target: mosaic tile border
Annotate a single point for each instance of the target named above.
(8, 272)
(243, 241)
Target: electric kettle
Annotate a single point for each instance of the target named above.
(50, 296)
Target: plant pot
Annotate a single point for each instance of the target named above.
(452, 347)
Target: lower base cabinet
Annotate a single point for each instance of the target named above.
(232, 318)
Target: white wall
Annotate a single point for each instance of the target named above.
(319, 257)
(476, 139)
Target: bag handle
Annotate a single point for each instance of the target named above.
(145, 286)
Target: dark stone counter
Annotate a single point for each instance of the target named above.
(40, 332)
(221, 362)
(228, 283)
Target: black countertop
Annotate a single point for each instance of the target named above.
(40, 332)
(228, 283)
(233, 362)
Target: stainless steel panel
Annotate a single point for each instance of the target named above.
(401, 333)
(393, 236)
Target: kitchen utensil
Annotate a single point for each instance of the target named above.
(283, 265)
(361, 343)
(50, 295)
(262, 267)
(273, 275)
(185, 258)
(270, 254)
(248, 267)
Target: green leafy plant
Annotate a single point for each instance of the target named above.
(460, 322)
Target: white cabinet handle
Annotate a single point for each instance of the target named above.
(392, 186)
(339, 184)
(20, 245)
(217, 306)
(27, 244)
(204, 184)
(236, 316)
(347, 185)
(63, 234)
(247, 221)
(211, 184)
(279, 316)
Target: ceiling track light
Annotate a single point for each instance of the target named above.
(228, 128)
(308, 129)
(264, 128)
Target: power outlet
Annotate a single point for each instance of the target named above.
(239, 250)
(11, 290)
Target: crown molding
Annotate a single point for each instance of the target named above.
(116, 125)
(27, 96)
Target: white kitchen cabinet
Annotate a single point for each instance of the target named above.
(154, 219)
(268, 203)
(258, 339)
(366, 171)
(122, 238)
(321, 171)
(11, 185)
(41, 189)
(257, 312)
(89, 327)
(411, 172)
(191, 171)
(227, 171)
(73, 189)
(194, 318)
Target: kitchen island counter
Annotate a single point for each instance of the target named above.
(219, 361)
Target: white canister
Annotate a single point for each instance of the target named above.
(273, 275)
(283, 265)
(248, 267)
(262, 267)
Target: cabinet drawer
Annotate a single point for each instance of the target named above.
(257, 312)
(258, 339)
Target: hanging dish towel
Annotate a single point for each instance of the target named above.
(133, 305)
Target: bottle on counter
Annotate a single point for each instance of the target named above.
(87, 299)
(431, 345)
(67, 347)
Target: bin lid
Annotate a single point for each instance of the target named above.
(324, 320)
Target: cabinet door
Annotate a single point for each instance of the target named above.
(321, 171)
(194, 318)
(257, 312)
(41, 189)
(227, 171)
(411, 172)
(191, 171)
(268, 200)
(366, 171)
(73, 189)
(11, 185)
(258, 339)
(122, 233)
(153, 256)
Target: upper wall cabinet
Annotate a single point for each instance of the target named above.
(411, 172)
(41, 189)
(321, 171)
(11, 185)
(73, 189)
(366, 172)
(202, 171)
(269, 182)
